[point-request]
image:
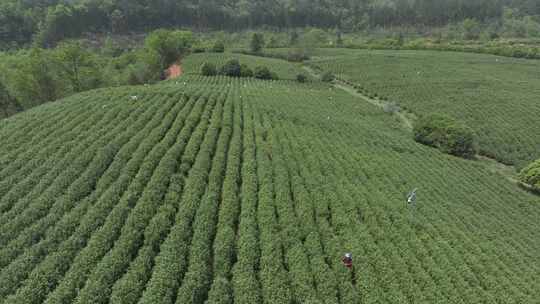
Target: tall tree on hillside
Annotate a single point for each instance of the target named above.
(169, 45)
(8, 104)
(77, 66)
(118, 22)
(36, 78)
(257, 42)
(55, 26)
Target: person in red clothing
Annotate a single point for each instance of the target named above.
(347, 260)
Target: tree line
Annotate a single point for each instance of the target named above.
(49, 21)
(30, 77)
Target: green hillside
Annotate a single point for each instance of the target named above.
(221, 190)
(496, 96)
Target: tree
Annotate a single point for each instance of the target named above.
(219, 47)
(301, 78)
(328, 77)
(77, 66)
(169, 45)
(118, 22)
(446, 134)
(293, 39)
(530, 175)
(232, 68)
(257, 42)
(245, 71)
(262, 72)
(471, 29)
(208, 69)
(36, 78)
(55, 27)
(8, 104)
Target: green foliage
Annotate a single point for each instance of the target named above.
(231, 68)
(50, 21)
(208, 69)
(315, 38)
(218, 47)
(530, 175)
(517, 25)
(245, 71)
(36, 79)
(471, 29)
(257, 43)
(8, 104)
(283, 69)
(262, 72)
(328, 77)
(301, 78)
(297, 55)
(78, 66)
(170, 46)
(446, 134)
(55, 27)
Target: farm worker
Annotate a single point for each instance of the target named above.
(411, 198)
(347, 260)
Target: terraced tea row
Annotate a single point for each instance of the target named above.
(496, 96)
(222, 190)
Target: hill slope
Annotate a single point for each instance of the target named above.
(496, 96)
(228, 190)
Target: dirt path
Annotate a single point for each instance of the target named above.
(174, 71)
(405, 118)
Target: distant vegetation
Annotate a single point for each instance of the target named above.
(279, 69)
(233, 68)
(446, 134)
(48, 22)
(32, 77)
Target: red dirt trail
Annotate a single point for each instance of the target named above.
(174, 71)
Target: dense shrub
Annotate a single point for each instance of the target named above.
(208, 69)
(301, 78)
(198, 49)
(297, 55)
(245, 71)
(262, 72)
(531, 176)
(257, 43)
(219, 47)
(169, 45)
(328, 77)
(446, 134)
(232, 68)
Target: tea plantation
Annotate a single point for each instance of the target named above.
(223, 190)
(495, 96)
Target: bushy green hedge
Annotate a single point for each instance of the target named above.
(498, 49)
(446, 134)
(531, 176)
(218, 47)
(233, 68)
(328, 77)
(208, 69)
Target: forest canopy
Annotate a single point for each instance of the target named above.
(49, 21)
